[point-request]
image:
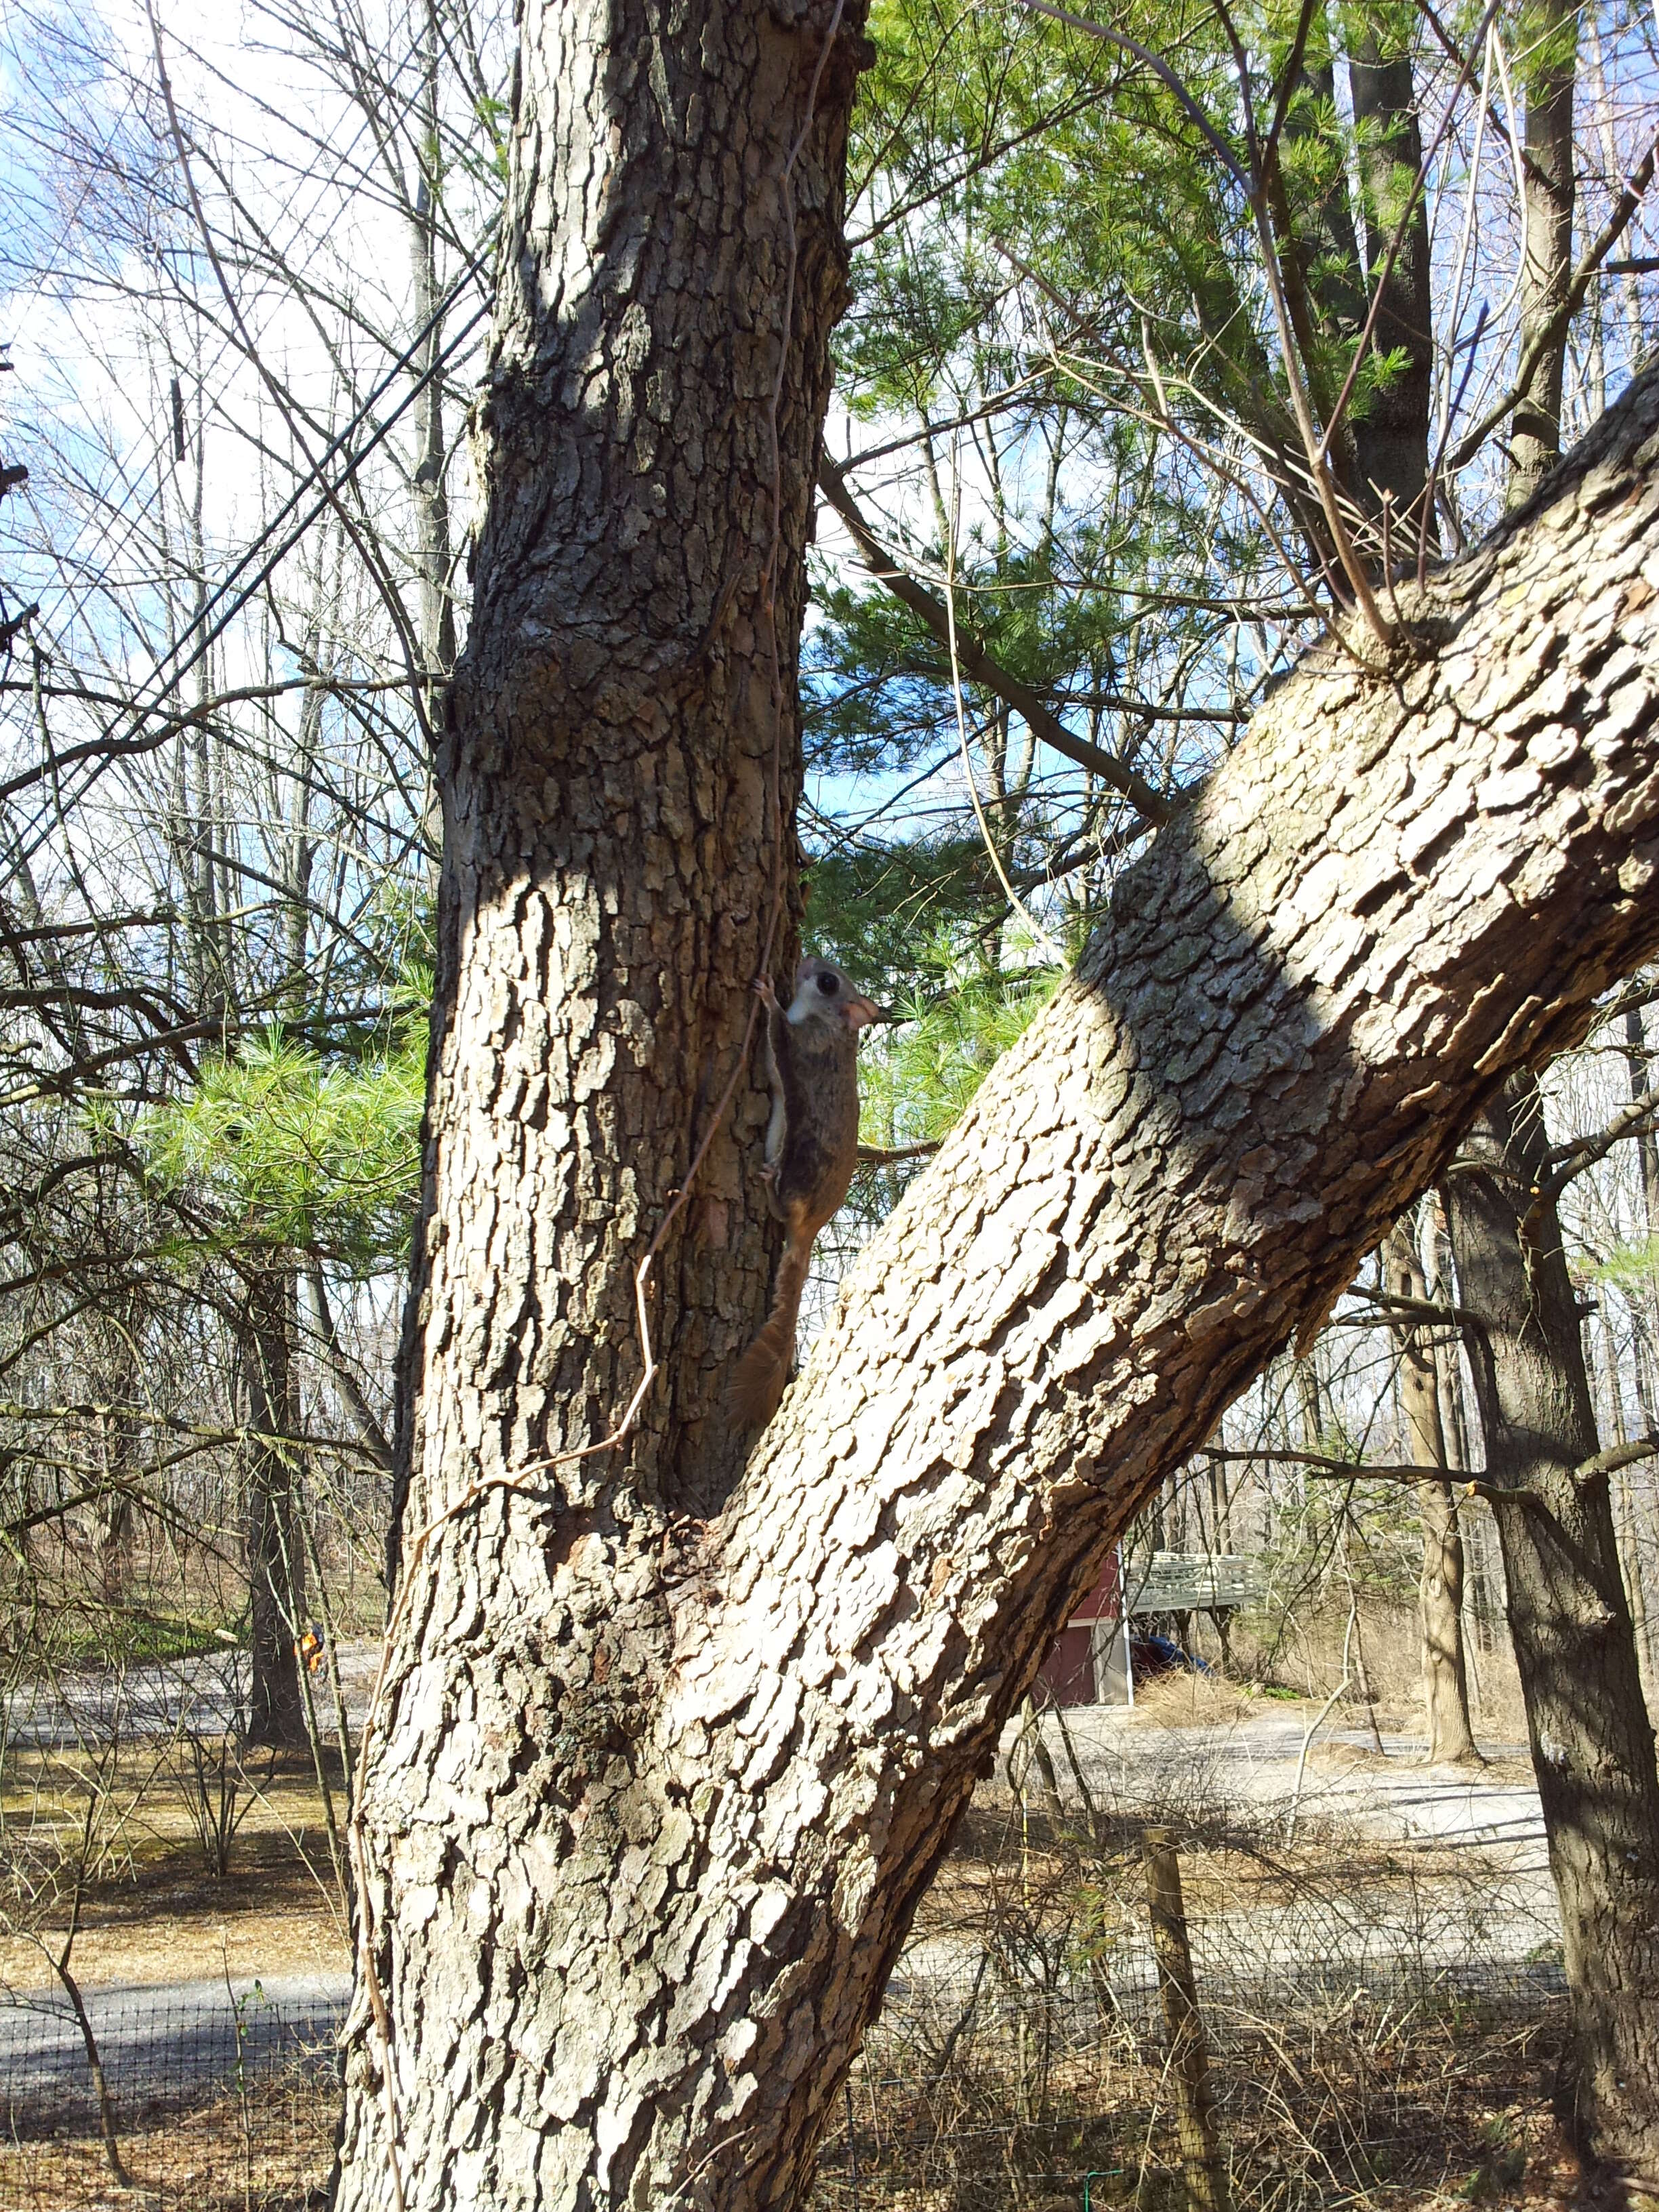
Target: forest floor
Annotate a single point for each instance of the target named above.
(154, 1912)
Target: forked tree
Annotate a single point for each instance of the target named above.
(673, 1730)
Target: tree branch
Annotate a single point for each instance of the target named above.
(1346, 1470)
(978, 664)
(1549, 333)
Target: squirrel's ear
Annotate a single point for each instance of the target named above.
(858, 1011)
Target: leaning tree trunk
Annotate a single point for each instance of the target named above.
(1591, 1736)
(1440, 1585)
(660, 1765)
(275, 1541)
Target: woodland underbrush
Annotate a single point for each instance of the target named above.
(1386, 2023)
(995, 2106)
(1294, 1650)
(1386, 2026)
(266, 2148)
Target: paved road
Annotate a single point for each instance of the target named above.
(159, 2046)
(1130, 1763)
(207, 1694)
(163, 2043)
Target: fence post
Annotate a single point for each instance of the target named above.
(1202, 2155)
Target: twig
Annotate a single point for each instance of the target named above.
(1318, 1719)
(1547, 334)
(1055, 951)
(979, 665)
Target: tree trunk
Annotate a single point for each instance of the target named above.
(434, 551)
(113, 1514)
(275, 1542)
(120, 1383)
(1647, 1145)
(1392, 432)
(661, 1765)
(1552, 69)
(1592, 1740)
(1440, 1587)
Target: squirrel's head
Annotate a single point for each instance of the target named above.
(823, 994)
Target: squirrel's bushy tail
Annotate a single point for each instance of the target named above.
(758, 1385)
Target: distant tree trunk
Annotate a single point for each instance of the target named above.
(276, 1540)
(112, 1516)
(1591, 1736)
(119, 1381)
(434, 549)
(1647, 1144)
(1642, 1306)
(1440, 1586)
(1392, 435)
(113, 1526)
(1551, 72)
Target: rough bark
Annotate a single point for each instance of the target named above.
(1440, 1585)
(276, 1553)
(1591, 1737)
(650, 1798)
(620, 772)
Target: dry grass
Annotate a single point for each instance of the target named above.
(1376, 2102)
(1185, 1699)
(1407, 2114)
(271, 2155)
(1351, 2070)
(154, 1913)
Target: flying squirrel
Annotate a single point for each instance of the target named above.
(810, 1056)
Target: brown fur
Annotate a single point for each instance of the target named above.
(757, 1385)
(811, 1065)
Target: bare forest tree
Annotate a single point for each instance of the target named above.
(217, 818)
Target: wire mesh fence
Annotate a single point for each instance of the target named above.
(975, 2093)
(160, 2050)
(1328, 2091)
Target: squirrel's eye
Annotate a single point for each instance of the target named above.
(829, 983)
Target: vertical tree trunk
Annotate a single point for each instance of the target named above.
(435, 553)
(1440, 1587)
(1642, 1304)
(1204, 2161)
(1392, 433)
(1647, 1144)
(1591, 1736)
(1551, 72)
(275, 1542)
(619, 776)
(113, 1521)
